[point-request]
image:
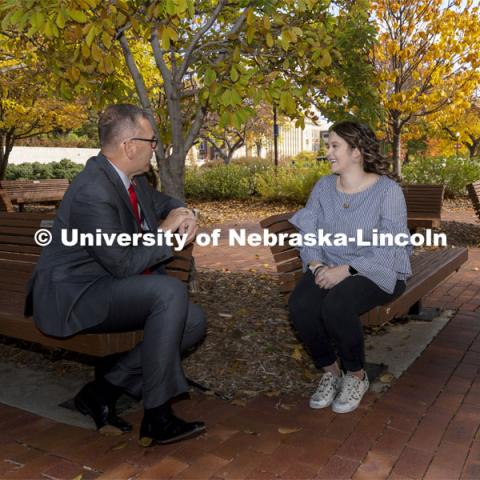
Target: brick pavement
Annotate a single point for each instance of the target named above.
(425, 426)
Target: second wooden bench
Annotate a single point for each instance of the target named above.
(430, 268)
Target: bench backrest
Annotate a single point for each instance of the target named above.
(424, 204)
(474, 194)
(17, 244)
(23, 191)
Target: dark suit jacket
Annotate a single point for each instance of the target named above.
(71, 287)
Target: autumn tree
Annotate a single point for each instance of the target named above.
(27, 108)
(426, 60)
(461, 126)
(254, 133)
(188, 58)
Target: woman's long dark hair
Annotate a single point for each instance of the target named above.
(359, 135)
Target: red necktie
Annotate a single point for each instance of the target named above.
(134, 202)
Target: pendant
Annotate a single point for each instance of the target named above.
(346, 205)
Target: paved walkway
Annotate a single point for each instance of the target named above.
(425, 426)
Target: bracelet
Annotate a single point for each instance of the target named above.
(317, 269)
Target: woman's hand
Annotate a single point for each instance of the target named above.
(328, 277)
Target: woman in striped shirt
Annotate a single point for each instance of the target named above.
(343, 281)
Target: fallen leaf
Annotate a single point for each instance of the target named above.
(309, 375)
(119, 446)
(110, 431)
(386, 378)
(250, 432)
(297, 353)
(287, 431)
(225, 315)
(145, 441)
(239, 403)
(273, 393)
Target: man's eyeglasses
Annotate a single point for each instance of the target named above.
(153, 141)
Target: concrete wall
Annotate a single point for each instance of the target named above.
(50, 154)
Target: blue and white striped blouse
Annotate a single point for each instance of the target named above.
(381, 206)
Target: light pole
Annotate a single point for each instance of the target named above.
(275, 136)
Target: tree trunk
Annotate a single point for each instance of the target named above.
(6, 145)
(473, 148)
(258, 146)
(172, 174)
(396, 149)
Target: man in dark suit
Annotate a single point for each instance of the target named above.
(117, 288)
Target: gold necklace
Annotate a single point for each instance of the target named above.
(346, 203)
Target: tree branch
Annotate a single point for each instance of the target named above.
(188, 54)
(141, 90)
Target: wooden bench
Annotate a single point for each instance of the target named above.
(21, 192)
(429, 269)
(424, 205)
(18, 256)
(474, 194)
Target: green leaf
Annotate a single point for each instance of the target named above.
(60, 20)
(210, 77)
(226, 98)
(234, 74)
(269, 40)
(77, 15)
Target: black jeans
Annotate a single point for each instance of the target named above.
(325, 319)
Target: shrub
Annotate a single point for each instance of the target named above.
(454, 173)
(219, 182)
(291, 183)
(36, 171)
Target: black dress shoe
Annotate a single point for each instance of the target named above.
(167, 429)
(90, 401)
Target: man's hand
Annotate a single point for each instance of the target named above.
(175, 218)
(189, 227)
(328, 277)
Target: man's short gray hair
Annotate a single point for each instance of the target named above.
(117, 120)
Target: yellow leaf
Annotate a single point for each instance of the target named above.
(297, 353)
(85, 50)
(97, 54)
(106, 39)
(119, 446)
(287, 431)
(250, 17)
(165, 39)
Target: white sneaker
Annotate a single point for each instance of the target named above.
(351, 393)
(327, 390)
